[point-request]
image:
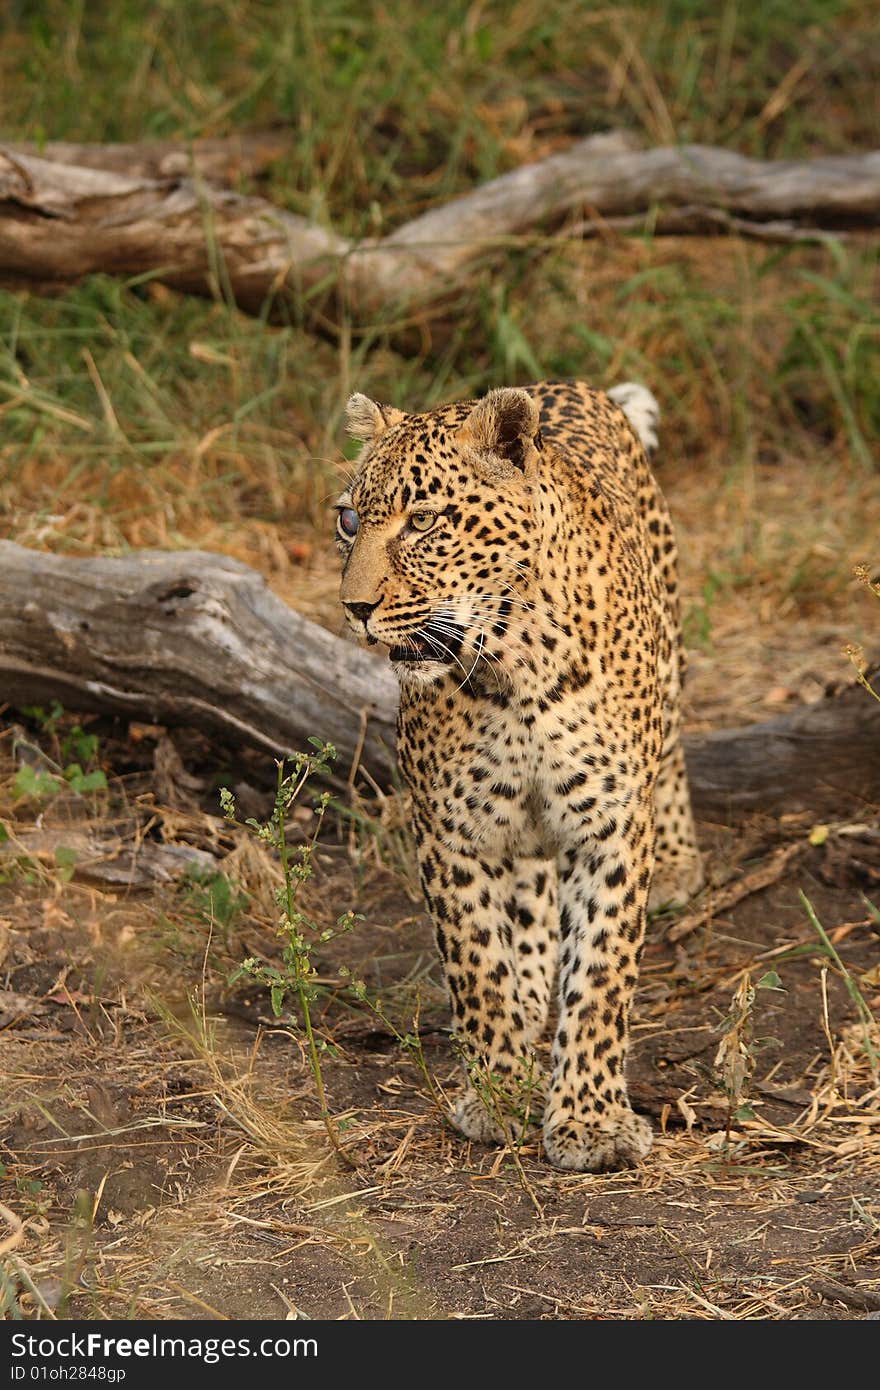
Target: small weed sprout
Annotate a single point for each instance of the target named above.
(296, 974)
(863, 1012)
(30, 1190)
(853, 650)
(76, 752)
(737, 1051)
(509, 1099)
(410, 1042)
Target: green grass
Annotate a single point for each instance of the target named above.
(141, 396)
(132, 415)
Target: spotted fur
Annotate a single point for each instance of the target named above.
(517, 557)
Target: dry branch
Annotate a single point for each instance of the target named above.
(220, 160)
(825, 754)
(722, 899)
(112, 858)
(197, 639)
(62, 221)
(857, 1296)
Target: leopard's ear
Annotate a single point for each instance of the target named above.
(504, 424)
(366, 419)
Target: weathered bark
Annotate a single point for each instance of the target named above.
(192, 638)
(219, 160)
(59, 222)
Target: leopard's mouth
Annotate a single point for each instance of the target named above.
(416, 651)
(430, 645)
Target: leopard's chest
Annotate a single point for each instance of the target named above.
(509, 775)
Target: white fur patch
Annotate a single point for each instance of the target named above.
(419, 675)
(640, 408)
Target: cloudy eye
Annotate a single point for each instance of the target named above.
(348, 522)
(423, 521)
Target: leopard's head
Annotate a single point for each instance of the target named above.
(436, 531)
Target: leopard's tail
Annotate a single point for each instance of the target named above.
(641, 409)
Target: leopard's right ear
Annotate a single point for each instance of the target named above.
(366, 419)
(505, 426)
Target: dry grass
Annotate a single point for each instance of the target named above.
(247, 1201)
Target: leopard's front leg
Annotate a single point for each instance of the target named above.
(470, 899)
(589, 1124)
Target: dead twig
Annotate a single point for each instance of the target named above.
(722, 899)
(852, 1295)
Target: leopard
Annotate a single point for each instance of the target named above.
(516, 557)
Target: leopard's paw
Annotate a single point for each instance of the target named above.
(472, 1118)
(617, 1140)
(675, 881)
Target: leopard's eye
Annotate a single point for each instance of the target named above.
(423, 521)
(348, 522)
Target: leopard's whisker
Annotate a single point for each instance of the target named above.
(527, 605)
(480, 612)
(475, 661)
(482, 634)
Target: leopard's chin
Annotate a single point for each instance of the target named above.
(419, 674)
(408, 663)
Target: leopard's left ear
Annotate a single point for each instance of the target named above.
(504, 424)
(366, 419)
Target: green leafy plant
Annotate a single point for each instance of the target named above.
(38, 785)
(409, 1041)
(35, 784)
(296, 975)
(511, 1101)
(80, 781)
(295, 978)
(30, 1190)
(214, 897)
(76, 755)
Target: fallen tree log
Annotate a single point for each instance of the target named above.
(188, 638)
(62, 221)
(822, 755)
(191, 638)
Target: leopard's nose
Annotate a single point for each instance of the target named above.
(361, 611)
